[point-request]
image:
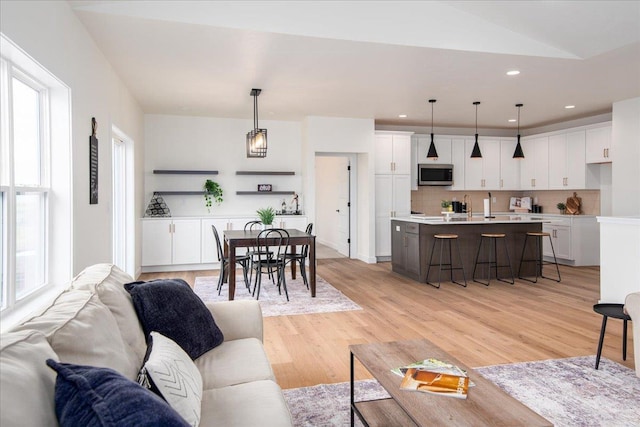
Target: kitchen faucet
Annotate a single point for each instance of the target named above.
(467, 202)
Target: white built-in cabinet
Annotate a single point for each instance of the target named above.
(173, 242)
(509, 167)
(482, 173)
(170, 241)
(567, 167)
(443, 148)
(574, 238)
(598, 144)
(534, 168)
(392, 184)
(458, 161)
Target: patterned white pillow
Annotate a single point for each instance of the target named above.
(171, 373)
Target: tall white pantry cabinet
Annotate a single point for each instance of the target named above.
(392, 185)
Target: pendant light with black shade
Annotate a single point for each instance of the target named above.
(518, 154)
(432, 154)
(476, 148)
(256, 138)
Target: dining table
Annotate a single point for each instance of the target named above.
(234, 239)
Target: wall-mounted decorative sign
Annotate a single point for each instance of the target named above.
(265, 187)
(93, 164)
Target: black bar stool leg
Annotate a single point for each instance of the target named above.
(506, 251)
(461, 267)
(604, 327)
(430, 262)
(624, 340)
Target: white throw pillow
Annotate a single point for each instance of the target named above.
(175, 377)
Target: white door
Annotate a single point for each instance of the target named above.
(119, 192)
(342, 208)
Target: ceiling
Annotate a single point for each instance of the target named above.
(373, 59)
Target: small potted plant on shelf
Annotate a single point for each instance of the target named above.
(561, 207)
(212, 191)
(266, 215)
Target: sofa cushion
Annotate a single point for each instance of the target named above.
(234, 362)
(26, 384)
(91, 396)
(174, 377)
(82, 330)
(173, 309)
(108, 281)
(259, 403)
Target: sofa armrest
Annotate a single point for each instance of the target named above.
(632, 307)
(238, 319)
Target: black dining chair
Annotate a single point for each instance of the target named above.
(253, 252)
(242, 260)
(276, 242)
(301, 257)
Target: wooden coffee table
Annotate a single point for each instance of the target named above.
(486, 403)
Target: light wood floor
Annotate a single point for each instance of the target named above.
(478, 325)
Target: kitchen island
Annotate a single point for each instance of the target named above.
(412, 239)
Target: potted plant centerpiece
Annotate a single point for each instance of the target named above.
(446, 206)
(266, 216)
(212, 191)
(561, 207)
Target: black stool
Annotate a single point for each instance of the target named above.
(616, 311)
(540, 262)
(446, 238)
(493, 241)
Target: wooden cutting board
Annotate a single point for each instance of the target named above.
(573, 204)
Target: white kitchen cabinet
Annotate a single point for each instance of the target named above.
(534, 173)
(298, 222)
(393, 199)
(561, 238)
(458, 161)
(598, 144)
(567, 169)
(170, 241)
(393, 153)
(576, 239)
(443, 147)
(509, 167)
(482, 173)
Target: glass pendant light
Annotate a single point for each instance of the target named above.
(256, 138)
(476, 148)
(518, 154)
(432, 154)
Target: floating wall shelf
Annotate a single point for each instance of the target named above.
(178, 193)
(264, 173)
(184, 172)
(264, 193)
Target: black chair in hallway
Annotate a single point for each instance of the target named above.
(224, 263)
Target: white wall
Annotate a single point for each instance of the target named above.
(344, 135)
(51, 33)
(207, 143)
(625, 157)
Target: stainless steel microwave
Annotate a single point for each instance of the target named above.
(435, 174)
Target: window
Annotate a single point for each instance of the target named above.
(30, 207)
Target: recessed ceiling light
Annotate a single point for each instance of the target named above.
(513, 73)
(512, 120)
(402, 116)
(568, 107)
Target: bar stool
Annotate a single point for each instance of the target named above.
(540, 262)
(445, 238)
(493, 241)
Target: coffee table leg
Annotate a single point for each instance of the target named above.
(352, 397)
(604, 326)
(624, 340)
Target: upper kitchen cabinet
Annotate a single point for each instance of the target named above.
(534, 173)
(393, 153)
(567, 168)
(443, 147)
(598, 144)
(509, 167)
(457, 159)
(482, 173)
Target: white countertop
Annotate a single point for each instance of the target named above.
(461, 219)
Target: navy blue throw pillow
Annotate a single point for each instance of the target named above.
(90, 396)
(171, 308)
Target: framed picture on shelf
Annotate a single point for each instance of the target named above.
(265, 187)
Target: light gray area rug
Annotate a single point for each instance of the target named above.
(567, 392)
(327, 299)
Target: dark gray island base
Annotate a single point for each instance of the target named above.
(411, 242)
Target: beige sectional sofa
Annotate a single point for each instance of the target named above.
(632, 307)
(94, 323)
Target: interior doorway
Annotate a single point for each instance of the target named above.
(122, 227)
(334, 189)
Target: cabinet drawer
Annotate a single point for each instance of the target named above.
(412, 228)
